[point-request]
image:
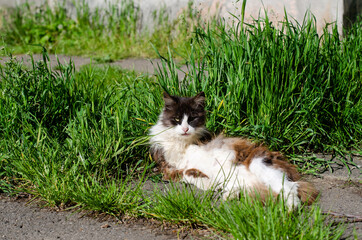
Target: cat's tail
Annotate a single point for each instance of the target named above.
(307, 193)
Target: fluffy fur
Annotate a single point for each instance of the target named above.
(182, 146)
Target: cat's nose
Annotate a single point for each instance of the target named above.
(185, 129)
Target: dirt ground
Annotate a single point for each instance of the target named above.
(146, 66)
(19, 220)
(341, 194)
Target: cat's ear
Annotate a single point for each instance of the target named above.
(200, 99)
(168, 99)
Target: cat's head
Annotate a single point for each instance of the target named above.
(186, 115)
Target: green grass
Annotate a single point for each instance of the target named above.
(104, 34)
(240, 219)
(95, 113)
(288, 87)
(67, 137)
(77, 139)
(95, 158)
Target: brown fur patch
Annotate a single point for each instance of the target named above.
(262, 193)
(243, 149)
(157, 156)
(172, 174)
(247, 151)
(307, 192)
(257, 151)
(195, 173)
(168, 172)
(280, 162)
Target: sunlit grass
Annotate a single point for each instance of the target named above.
(295, 90)
(243, 218)
(79, 139)
(85, 121)
(94, 155)
(105, 34)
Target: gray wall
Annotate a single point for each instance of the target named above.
(325, 11)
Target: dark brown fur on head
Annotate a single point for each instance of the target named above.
(176, 107)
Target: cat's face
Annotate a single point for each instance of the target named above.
(186, 115)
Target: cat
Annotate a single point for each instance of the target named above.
(186, 151)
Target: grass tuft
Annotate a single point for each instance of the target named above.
(243, 218)
(286, 86)
(106, 34)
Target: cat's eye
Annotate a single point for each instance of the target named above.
(177, 119)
